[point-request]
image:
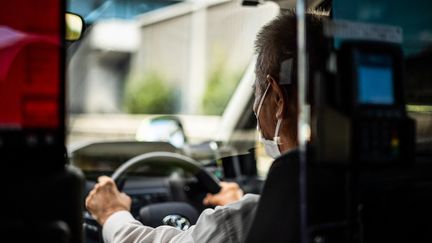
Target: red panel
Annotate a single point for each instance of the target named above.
(30, 62)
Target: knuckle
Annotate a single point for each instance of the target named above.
(110, 182)
(88, 203)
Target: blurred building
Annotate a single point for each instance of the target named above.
(184, 41)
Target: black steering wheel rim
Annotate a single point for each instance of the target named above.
(209, 181)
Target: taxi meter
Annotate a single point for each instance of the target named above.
(364, 171)
(362, 116)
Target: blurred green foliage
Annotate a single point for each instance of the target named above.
(149, 95)
(220, 87)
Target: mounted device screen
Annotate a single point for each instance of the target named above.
(375, 86)
(375, 80)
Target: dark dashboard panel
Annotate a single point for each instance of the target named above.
(147, 191)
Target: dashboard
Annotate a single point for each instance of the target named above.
(157, 182)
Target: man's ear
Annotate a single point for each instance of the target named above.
(279, 97)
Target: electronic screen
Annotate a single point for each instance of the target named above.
(375, 80)
(375, 85)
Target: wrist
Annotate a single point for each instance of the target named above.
(103, 217)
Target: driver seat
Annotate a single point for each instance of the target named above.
(278, 213)
(277, 218)
(343, 205)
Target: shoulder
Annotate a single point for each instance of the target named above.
(228, 223)
(287, 159)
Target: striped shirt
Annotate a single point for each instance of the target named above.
(229, 223)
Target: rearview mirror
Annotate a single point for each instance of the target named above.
(74, 27)
(165, 129)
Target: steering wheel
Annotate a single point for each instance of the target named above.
(177, 214)
(209, 181)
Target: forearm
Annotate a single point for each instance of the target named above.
(122, 227)
(226, 224)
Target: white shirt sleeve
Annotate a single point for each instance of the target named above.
(225, 224)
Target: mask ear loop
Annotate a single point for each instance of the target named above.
(276, 137)
(262, 101)
(286, 77)
(259, 109)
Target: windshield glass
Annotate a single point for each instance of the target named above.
(141, 59)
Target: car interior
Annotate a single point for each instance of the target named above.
(157, 94)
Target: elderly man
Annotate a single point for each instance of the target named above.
(276, 111)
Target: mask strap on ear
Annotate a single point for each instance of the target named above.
(276, 137)
(262, 100)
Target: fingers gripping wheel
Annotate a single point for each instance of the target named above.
(210, 182)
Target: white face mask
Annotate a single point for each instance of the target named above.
(271, 146)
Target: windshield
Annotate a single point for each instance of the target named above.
(141, 59)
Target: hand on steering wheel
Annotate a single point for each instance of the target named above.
(105, 199)
(230, 192)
